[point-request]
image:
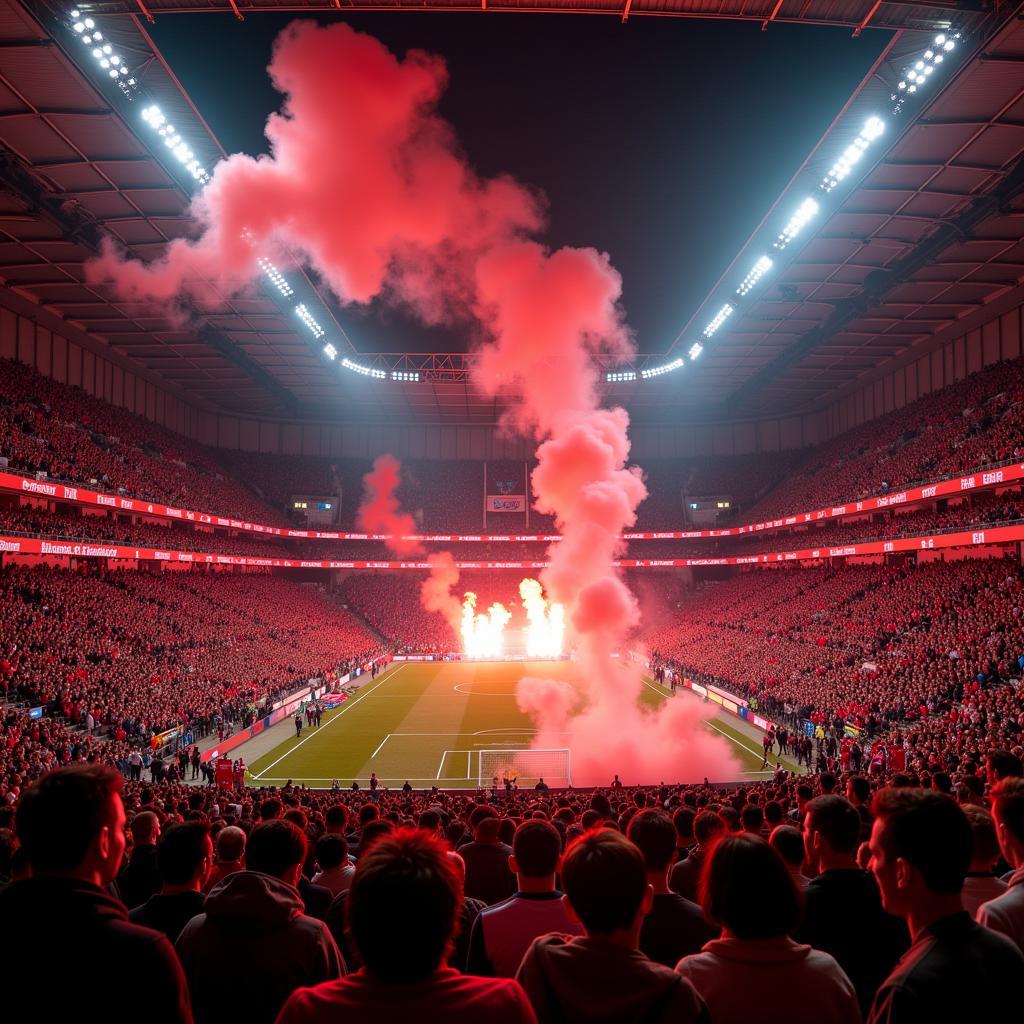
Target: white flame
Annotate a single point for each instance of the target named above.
(546, 629)
(483, 636)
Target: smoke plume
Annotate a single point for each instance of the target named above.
(366, 184)
(436, 592)
(548, 315)
(380, 511)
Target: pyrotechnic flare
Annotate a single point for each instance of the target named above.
(483, 636)
(546, 622)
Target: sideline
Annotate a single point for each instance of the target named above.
(316, 732)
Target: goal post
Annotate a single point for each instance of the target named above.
(526, 767)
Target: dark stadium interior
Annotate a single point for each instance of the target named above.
(828, 565)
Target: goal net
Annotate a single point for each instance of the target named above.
(525, 767)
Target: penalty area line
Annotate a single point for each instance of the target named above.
(316, 732)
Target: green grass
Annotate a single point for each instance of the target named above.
(426, 722)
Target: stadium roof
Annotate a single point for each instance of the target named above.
(930, 234)
(855, 14)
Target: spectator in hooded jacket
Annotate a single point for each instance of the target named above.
(843, 913)
(402, 909)
(62, 933)
(755, 963)
(254, 932)
(603, 976)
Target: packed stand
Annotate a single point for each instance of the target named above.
(69, 435)
(976, 422)
(875, 646)
(132, 654)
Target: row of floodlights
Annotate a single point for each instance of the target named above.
(873, 128)
(410, 376)
(923, 68)
(103, 53)
(915, 77)
(366, 371)
(307, 318)
(155, 118)
(277, 279)
(624, 376)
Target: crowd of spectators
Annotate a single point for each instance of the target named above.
(70, 525)
(50, 427)
(874, 645)
(979, 512)
(840, 899)
(128, 655)
(60, 430)
(975, 422)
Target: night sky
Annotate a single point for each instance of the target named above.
(661, 141)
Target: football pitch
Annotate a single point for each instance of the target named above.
(427, 722)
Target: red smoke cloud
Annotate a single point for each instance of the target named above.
(365, 183)
(436, 593)
(380, 511)
(548, 314)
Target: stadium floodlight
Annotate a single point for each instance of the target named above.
(620, 376)
(917, 73)
(366, 371)
(307, 318)
(277, 279)
(658, 371)
(155, 118)
(873, 128)
(717, 320)
(112, 63)
(330, 351)
(410, 376)
(695, 349)
(760, 268)
(804, 212)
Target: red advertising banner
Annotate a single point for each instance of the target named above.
(943, 489)
(80, 549)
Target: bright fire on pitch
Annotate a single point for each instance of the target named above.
(483, 634)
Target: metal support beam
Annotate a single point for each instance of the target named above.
(771, 17)
(867, 17)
